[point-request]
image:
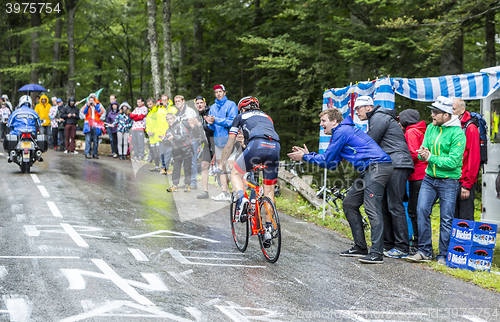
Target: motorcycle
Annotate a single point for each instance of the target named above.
(25, 149)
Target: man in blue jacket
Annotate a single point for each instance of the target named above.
(24, 119)
(219, 119)
(375, 167)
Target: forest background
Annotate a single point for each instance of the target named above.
(285, 52)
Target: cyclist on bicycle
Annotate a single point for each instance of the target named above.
(262, 147)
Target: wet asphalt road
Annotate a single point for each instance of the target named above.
(101, 240)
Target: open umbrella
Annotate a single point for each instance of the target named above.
(32, 88)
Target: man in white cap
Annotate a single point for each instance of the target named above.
(443, 147)
(384, 129)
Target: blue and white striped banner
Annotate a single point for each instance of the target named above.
(467, 86)
(342, 98)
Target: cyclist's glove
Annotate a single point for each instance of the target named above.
(216, 171)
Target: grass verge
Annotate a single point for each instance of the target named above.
(303, 210)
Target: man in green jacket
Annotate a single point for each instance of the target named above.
(443, 147)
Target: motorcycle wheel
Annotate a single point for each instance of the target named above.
(25, 167)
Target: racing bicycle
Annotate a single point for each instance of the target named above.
(260, 218)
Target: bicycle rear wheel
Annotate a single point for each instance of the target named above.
(239, 226)
(270, 248)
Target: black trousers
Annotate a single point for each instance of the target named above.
(395, 223)
(414, 191)
(464, 209)
(369, 189)
(179, 159)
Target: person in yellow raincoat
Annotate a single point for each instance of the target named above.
(42, 109)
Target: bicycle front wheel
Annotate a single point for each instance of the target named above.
(270, 240)
(239, 226)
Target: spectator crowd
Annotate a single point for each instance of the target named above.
(440, 161)
(169, 135)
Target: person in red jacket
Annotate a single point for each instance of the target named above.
(470, 165)
(138, 127)
(414, 133)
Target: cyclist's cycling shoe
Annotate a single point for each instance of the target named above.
(267, 238)
(242, 211)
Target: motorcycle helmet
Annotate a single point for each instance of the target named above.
(248, 103)
(25, 100)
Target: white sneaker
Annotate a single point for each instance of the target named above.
(66, 152)
(223, 196)
(75, 152)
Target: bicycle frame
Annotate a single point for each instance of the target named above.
(255, 219)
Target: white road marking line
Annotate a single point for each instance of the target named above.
(214, 258)
(31, 231)
(3, 272)
(35, 178)
(87, 305)
(43, 191)
(183, 260)
(180, 277)
(211, 302)
(53, 209)
(120, 282)
(178, 235)
(18, 309)
(473, 318)
(111, 309)
(209, 252)
(74, 235)
(138, 255)
(1, 153)
(238, 313)
(40, 257)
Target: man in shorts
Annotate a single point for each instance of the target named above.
(220, 118)
(262, 147)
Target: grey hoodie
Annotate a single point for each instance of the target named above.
(385, 130)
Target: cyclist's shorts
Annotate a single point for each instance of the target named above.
(260, 151)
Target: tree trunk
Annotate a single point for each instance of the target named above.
(71, 9)
(490, 55)
(98, 63)
(16, 79)
(36, 20)
(452, 57)
(153, 43)
(182, 58)
(256, 22)
(168, 76)
(56, 54)
(196, 73)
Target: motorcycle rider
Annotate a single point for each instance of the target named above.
(24, 119)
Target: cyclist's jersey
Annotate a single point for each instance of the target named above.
(254, 124)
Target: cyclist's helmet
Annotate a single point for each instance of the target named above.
(25, 100)
(249, 103)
